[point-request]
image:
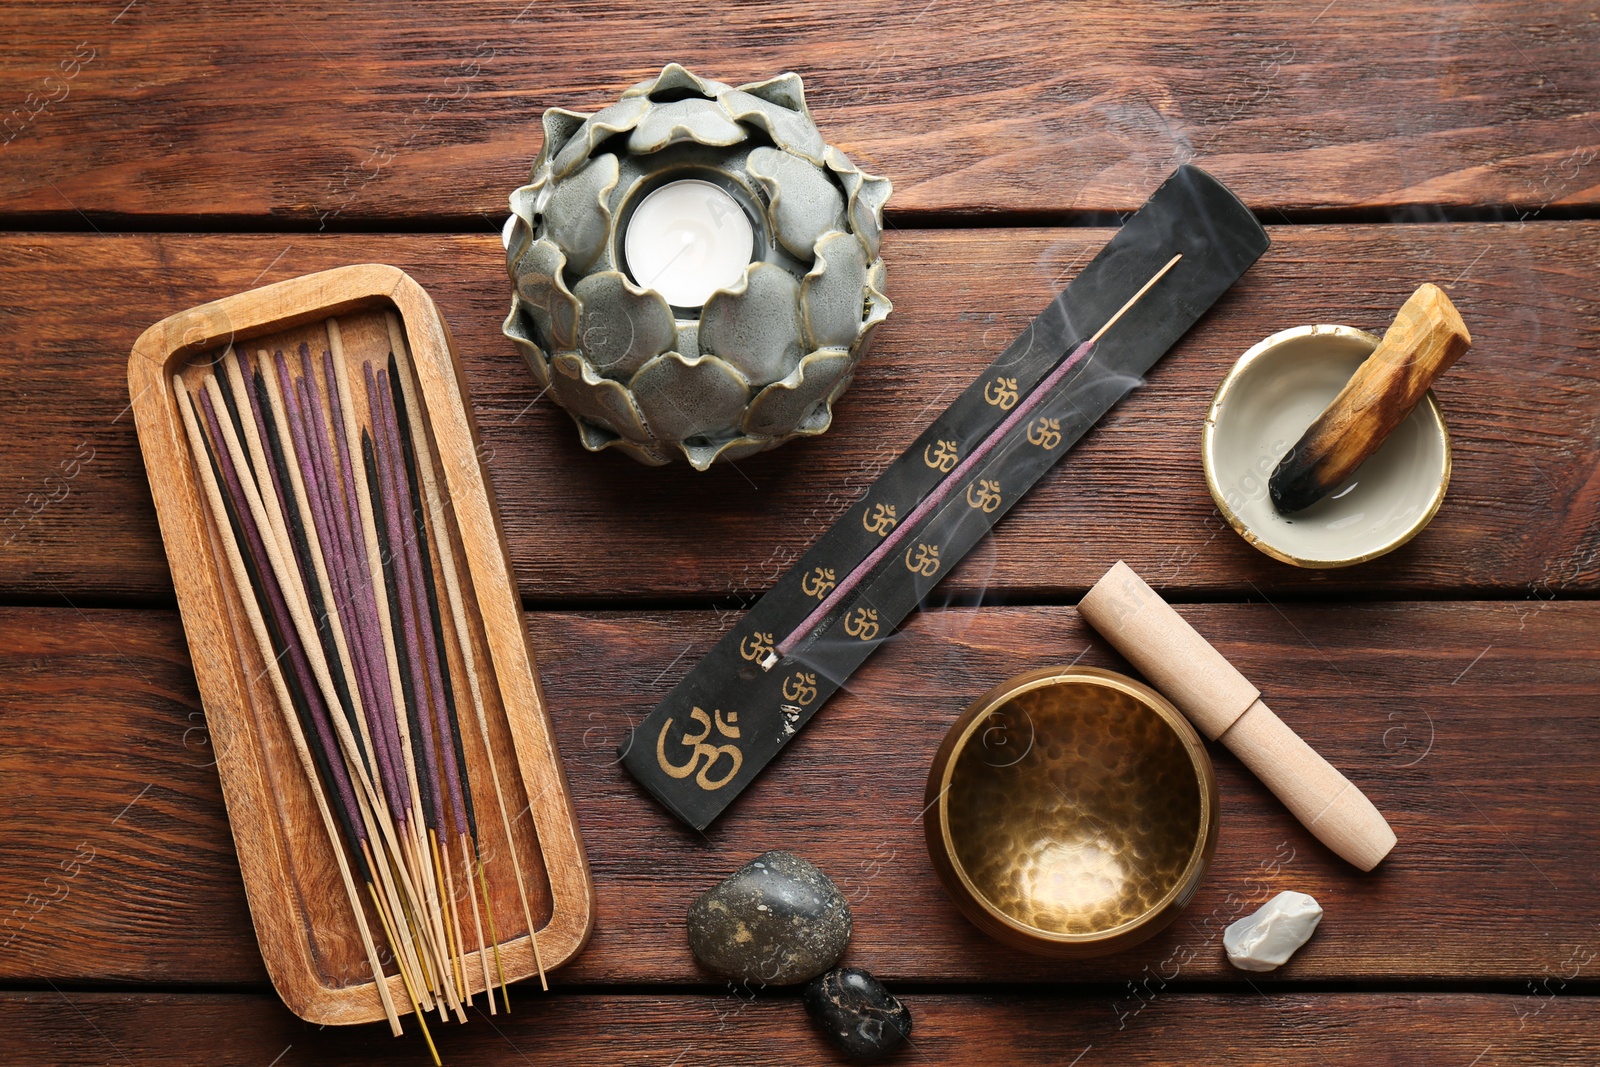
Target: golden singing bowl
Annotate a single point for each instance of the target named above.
(1071, 812)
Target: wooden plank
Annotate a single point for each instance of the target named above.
(1472, 726)
(60, 1030)
(1523, 514)
(1030, 107)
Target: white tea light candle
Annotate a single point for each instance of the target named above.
(688, 239)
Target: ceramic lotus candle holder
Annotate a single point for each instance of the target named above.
(696, 272)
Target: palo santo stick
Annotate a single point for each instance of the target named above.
(1426, 337)
(1224, 706)
(458, 615)
(258, 627)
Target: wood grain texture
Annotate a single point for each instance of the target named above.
(1474, 727)
(1274, 1030)
(1522, 516)
(386, 110)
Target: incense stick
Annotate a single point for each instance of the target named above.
(368, 800)
(223, 528)
(941, 493)
(453, 592)
(329, 522)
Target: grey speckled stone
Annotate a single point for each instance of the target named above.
(863, 1020)
(777, 920)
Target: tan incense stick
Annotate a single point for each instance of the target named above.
(298, 607)
(374, 554)
(223, 531)
(453, 592)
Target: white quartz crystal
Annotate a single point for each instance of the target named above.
(1265, 941)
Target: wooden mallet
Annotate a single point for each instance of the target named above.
(1225, 707)
(1426, 337)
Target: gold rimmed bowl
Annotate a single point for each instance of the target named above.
(1071, 812)
(1265, 403)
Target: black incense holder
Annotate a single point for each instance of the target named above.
(771, 673)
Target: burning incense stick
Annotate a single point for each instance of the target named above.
(934, 500)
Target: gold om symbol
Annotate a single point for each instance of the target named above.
(923, 559)
(756, 646)
(818, 582)
(1045, 433)
(863, 624)
(881, 519)
(1002, 393)
(711, 753)
(943, 458)
(988, 495)
(802, 688)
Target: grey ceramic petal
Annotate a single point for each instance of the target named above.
(701, 456)
(831, 299)
(866, 209)
(621, 326)
(524, 198)
(620, 117)
(559, 126)
(682, 398)
(588, 396)
(700, 121)
(675, 78)
(786, 90)
(781, 405)
(757, 327)
(578, 219)
(878, 307)
(805, 204)
(544, 295)
(519, 329)
(788, 128)
(649, 455)
(866, 195)
(521, 231)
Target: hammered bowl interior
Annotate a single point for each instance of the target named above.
(1074, 809)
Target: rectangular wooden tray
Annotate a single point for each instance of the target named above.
(307, 933)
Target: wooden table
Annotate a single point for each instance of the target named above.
(183, 152)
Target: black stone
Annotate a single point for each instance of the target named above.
(864, 1020)
(777, 921)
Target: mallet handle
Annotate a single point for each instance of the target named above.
(1224, 706)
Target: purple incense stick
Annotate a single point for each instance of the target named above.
(934, 499)
(336, 537)
(406, 586)
(282, 618)
(360, 575)
(306, 441)
(248, 373)
(423, 569)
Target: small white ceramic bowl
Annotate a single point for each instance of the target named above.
(1260, 410)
